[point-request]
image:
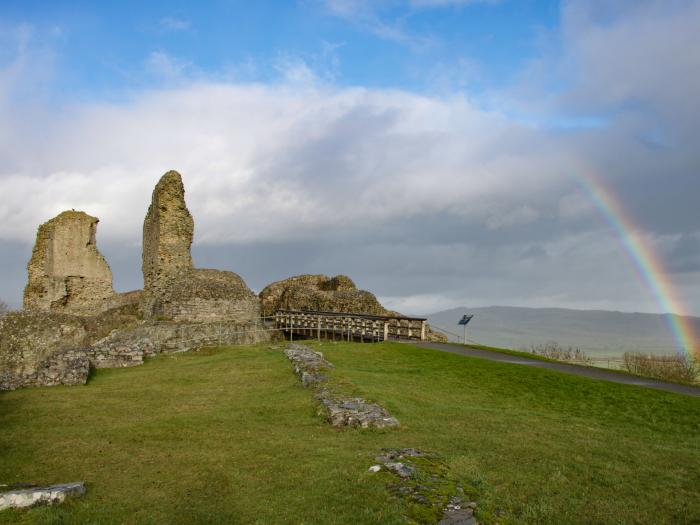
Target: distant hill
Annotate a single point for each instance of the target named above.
(598, 332)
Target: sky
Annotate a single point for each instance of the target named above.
(436, 151)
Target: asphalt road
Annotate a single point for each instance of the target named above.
(577, 370)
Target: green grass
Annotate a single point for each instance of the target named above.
(230, 436)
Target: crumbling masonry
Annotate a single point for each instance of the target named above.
(73, 320)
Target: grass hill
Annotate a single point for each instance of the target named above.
(229, 435)
(598, 332)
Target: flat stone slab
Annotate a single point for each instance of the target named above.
(354, 412)
(50, 495)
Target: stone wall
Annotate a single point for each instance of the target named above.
(119, 300)
(203, 295)
(46, 349)
(67, 274)
(40, 348)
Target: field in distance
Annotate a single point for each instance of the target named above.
(599, 333)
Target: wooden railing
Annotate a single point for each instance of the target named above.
(349, 326)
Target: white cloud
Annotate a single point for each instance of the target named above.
(174, 24)
(166, 67)
(295, 71)
(369, 15)
(271, 162)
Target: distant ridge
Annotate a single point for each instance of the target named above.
(598, 332)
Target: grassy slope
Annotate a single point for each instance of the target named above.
(229, 436)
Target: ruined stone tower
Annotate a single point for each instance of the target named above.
(67, 274)
(173, 288)
(167, 237)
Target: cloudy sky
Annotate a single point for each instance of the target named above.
(433, 150)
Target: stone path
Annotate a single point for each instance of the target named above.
(423, 480)
(577, 370)
(340, 411)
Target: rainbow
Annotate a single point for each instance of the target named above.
(647, 263)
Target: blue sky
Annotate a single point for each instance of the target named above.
(105, 48)
(430, 149)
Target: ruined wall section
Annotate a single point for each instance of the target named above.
(209, 295)
(173, 289)
(37, 348)
(167, 238)
(67, 274)
(47, 349)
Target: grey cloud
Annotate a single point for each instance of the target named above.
(430, 201)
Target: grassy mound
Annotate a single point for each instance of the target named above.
(230, 436)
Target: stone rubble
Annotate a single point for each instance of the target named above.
(422, 477)
(458, 512)
(402, 470)
(340, 411)
(22, 495)
(308, 365)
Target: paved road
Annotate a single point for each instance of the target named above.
(585, 371)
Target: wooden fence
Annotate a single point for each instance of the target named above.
(349, 326)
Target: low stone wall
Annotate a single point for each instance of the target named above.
(170, 337)
(40, 347)
(340, 411)
(28, 361)
(65, 367)
(203, 309)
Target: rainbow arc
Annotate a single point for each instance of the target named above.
(648, 264)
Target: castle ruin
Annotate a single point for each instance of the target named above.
(73, 320)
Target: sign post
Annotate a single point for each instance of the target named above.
(464, 321)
